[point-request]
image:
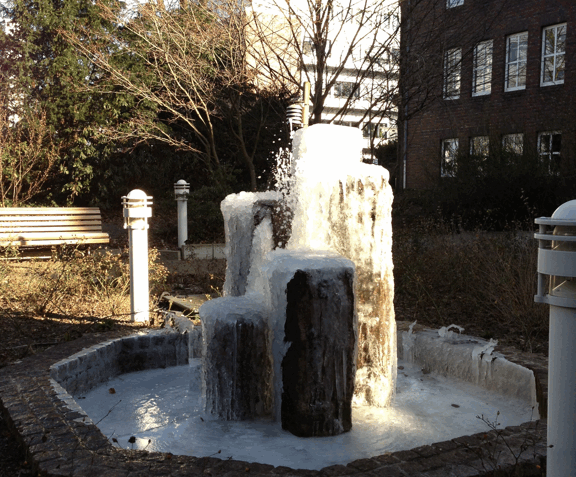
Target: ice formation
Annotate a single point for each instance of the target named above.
(341, 204)
(445, 332)
(329, 208)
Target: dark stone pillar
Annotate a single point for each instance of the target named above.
(236, 362)
(319, 366)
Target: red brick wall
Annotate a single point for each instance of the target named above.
(530, 111)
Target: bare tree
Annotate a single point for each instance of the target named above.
(347, 49)
(187, 64)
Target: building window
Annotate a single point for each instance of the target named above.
(449, 152)
(553, 53)
(308, 46)
(309, 49)
(371, 130)
(480, 146)
(482, 74)
(454, 3)
(516, 55)
(346, 90)
(549, 145)
(452, 63)
(513, 143)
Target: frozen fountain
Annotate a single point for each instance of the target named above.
(303, 342)
(306, 323)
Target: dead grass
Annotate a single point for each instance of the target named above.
(74, 284)
(482, 281)
(43, 303)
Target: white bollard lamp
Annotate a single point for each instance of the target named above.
(557, 259)
(136, 212)
(181, 191)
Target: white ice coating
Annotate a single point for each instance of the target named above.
(279, 268)
(262, 244)
(445, 332)
(325, 158)
(237, 210)
(469, 359)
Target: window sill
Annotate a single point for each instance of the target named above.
(556, 83)
(512, 90)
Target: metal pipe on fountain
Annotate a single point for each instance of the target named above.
(136, 212)
(305, 109)
(181, 191)
(557, 259)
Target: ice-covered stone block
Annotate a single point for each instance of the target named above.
(314, 331)
(243, 214)
(344, 205)
(235, 358)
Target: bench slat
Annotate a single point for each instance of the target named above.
(57, 223)
(48, 210)
(25, 243)
(44, 230)
(51, 235)
(50, 218)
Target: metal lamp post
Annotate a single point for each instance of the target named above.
(181, 191)
(136, 212)
(557, 258)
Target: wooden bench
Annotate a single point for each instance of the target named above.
(50, 226)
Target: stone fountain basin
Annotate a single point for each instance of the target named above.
(36, 399)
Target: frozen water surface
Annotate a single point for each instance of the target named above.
(163, 406)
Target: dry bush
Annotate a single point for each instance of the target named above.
(483, 281)
(75, 284)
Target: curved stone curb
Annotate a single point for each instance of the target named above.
(60, 440)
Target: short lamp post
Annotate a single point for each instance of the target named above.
(136, 212)
(181, 191)
(557, 259)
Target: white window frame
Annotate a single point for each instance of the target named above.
(337, 90)
(454, 3)
(452, 73)
(483, 142)
(376, 130)
(449, 153)
(513, 143)
(550, 154)
(482, 69)
(519, 62)
(308, 44)
(557, 55)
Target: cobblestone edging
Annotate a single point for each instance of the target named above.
(61, 440)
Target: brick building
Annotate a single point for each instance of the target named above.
(486, 75)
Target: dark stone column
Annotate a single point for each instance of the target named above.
(236, 363)
(319, 366)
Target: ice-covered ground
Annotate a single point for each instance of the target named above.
(161, 409)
